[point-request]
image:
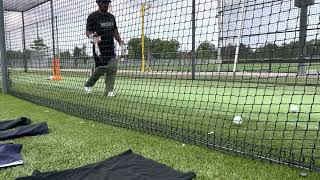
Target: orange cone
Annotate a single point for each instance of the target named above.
(56, 69)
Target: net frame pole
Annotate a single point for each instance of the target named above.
(143, 63)
(25, 64)
(193, 39)
(39, 58)
(57, 37)
(236, 57)
(37, 24)
(302, 39)
(10, 45)
(3, 52)
(52, 30)
(220, 33)
(303, 5)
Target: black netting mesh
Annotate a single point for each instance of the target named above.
(22, 5)
(244, 79)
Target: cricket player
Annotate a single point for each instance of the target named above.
(102, 29)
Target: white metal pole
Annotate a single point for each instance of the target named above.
(3, 52)
(220, 33)
(241, 26)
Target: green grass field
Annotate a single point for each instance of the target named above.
(204, 65)
(250, 67)
(73, 142)
(206, 107)
(227, 67)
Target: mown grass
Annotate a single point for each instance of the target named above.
(73, 142)
(207, 107)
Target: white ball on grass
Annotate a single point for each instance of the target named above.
(294, 108)
(237, 120)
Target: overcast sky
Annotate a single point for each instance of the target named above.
(264, 21)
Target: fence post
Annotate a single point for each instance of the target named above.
(303, 5)
(193, 39)
(3, 52)
(52, 30)
(25, 64)
(220, 33)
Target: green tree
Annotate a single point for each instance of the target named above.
(245, 52)
(16, 57)
(228, 52)
(14, 54)
(77, 52)
(27, 53)
(164, 48)
(134, 47)
(267, 51)
(157, 47)
(289, 50)
(65, 54)
(313, 48)
(84, 55)
(39, 45)
(206, 50)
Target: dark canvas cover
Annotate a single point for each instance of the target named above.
(125, 166)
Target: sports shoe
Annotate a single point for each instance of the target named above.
(88, 90)
(111, 94)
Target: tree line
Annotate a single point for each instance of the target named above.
(170, 49)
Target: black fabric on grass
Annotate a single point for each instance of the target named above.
(30, 130)
(10, 155)
(125, 166)
(8, 124)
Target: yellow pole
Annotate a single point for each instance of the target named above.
(142, 38)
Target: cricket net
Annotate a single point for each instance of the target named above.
(240, 76)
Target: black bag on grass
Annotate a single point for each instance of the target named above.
(10, 155)
(29, 130)
(125, 166)
(9, 124)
